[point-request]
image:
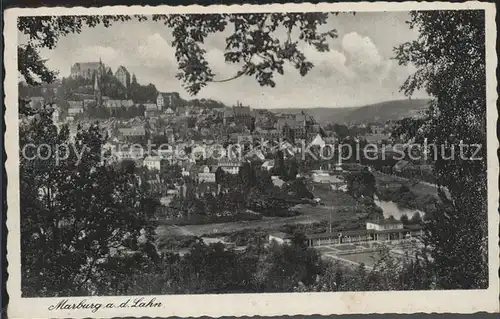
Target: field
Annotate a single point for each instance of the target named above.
(310, 214)
(329, 197)
(335, 204)
(345, 247)
(267, 223)
(418, 189)
(367, 258)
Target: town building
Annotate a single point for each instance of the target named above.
(37, 102)
(87, 102)
(169, 111)
(269, 135)
(267, 165)
(240, 115)
(379, 230)
(378, 138)
(319, 176)
(84, 70)
(150, 110)
(74, 111)
(244, 138)
(205, 175)
(280, 238)
(207, 188)
(255, 155)
(400, 166)
(150, 106)
(165, 100)
(292, 126)
(318, 141)
(384, 224)
(128, 132)
(230, 166)
(123, 76)
(114, 104)
(128, 153)
(167, 154)
(158, 186)
(76, 104)
(55, 115)
(182, 111)
(152, 163)
(50, 89)
(277, 181)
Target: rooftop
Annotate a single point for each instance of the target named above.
(385, 221)
(281, 235)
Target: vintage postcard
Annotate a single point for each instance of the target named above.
(252, 160)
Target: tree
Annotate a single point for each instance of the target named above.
(76, 213)
(297, 189)
(219, 175)
(279, 164)
(246, 175)
(361, 184)
(404, 219)
(341, 130)
(451, 68)
(299, 239)
(293, 170)
(416, 219)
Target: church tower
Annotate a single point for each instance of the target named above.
(98, 83)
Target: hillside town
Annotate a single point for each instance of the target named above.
(245, 153)
(208, 163)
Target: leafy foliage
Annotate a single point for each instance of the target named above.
(450, 58)
(255, 43)
(361, 184)
(77, 214)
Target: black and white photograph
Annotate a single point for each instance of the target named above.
(324, 160)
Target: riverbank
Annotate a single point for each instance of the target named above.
(390, 208)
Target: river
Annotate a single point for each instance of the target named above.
(391, 209)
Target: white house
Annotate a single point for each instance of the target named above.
(118, 103)
(132, 153)
(267, 165)
(132, 131)
(280, 238)
(167, 99)
(230, 166)
(152, 162)
(167, 155)
(277, 181)
(205, 175)
(55, 115)
(74, 111)
(169, 111)
(318, 141)
(384, 224)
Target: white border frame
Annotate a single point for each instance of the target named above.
(454, 301)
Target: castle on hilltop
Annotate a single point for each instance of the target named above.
(87, 70)
(95, 71)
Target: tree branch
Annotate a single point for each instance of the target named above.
(239, 74)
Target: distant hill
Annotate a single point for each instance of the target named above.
(379, 112)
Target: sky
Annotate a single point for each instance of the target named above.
(358, 69)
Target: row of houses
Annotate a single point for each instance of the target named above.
(382, 230)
